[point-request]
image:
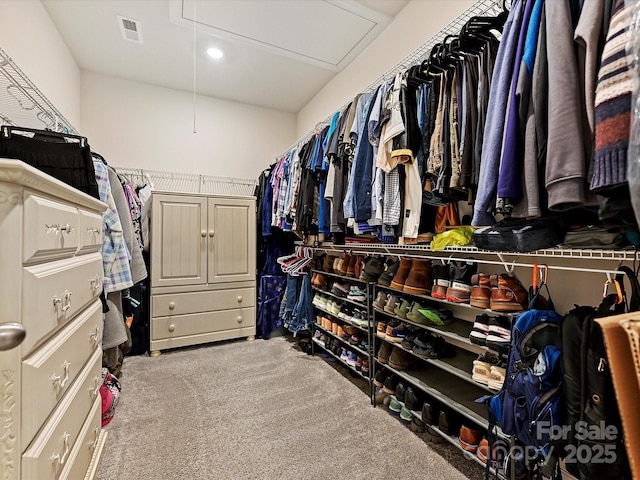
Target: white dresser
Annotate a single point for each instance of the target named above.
(203, 269)
(50, 282)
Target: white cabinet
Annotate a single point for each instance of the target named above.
(50, 281)
(203, 269)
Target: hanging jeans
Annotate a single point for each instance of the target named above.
(302, 316)
(270, 294)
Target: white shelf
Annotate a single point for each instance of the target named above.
(354, 348)
(593, 254)
(556, 252)
(353, 369)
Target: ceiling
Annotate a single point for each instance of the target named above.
(278, 53)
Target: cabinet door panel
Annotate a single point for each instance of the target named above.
(179, 240)
(232, 242)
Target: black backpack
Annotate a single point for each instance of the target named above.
(592, 442)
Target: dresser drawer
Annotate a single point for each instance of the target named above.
(90, 233)
(49, 373)
(50, 229)
(198, 323)
(53, 293)
(80, 457)
(182, 303)
(48, 453)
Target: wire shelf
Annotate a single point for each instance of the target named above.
(557, 252)
(177, 182)
(22, 104)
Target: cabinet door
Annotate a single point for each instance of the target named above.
(232, 240)
(178, 240)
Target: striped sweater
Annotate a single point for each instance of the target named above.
(613, 104)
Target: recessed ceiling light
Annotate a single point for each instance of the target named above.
(215, 53)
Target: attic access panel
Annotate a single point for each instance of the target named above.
(325, 33)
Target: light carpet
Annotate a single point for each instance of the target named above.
(259, 410)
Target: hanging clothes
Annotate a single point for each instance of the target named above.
(115, 254)
(138, 267)
(497, 107)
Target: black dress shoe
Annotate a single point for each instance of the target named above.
(429, 413)
(411, 400)
(390, 384)
(417, 425)
(378, 380)
(400, 392)
(443, 423)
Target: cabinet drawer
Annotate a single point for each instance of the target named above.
(206, 322)
(90, 232)
(80, 457)
(182, 303)
(48, 374)
(53, 293)
(48, 453)
(50, 229)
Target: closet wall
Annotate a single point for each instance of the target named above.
(139, 125)
(29, 37)
(418, 21)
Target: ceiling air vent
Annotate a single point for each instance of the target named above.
(130, 29)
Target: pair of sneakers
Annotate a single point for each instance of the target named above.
(349, 357)
(452, 281)
(320, 301)
(357, 294)
(491, 331)
(489, 370)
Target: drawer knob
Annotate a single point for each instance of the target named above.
(67, 301)
(96, 390)
(239, 298)
(58, 382)
(91, 231)
(11, 335)
(57, 228)
(96, 283)
(172, 305)
(172, 327)
(203, 233)
(95, 334)
(239, 318)
(61, 460)
(96, 436)
(211, 233)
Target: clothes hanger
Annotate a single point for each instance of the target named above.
(97, 156)
(44, 135)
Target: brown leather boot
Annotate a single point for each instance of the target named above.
(336, 265)
(469, 438)
(480, 290)
(351, 268)
(328, 263)
(359, 265)
(320, 281)
(403, 272)
(420, 278)
(508, 294)
(346, 260)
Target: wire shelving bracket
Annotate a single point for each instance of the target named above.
(23, 104)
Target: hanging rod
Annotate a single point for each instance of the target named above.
(481, 7)
(162, 181)
(508, 265)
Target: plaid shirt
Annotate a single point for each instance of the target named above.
(115, 255)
